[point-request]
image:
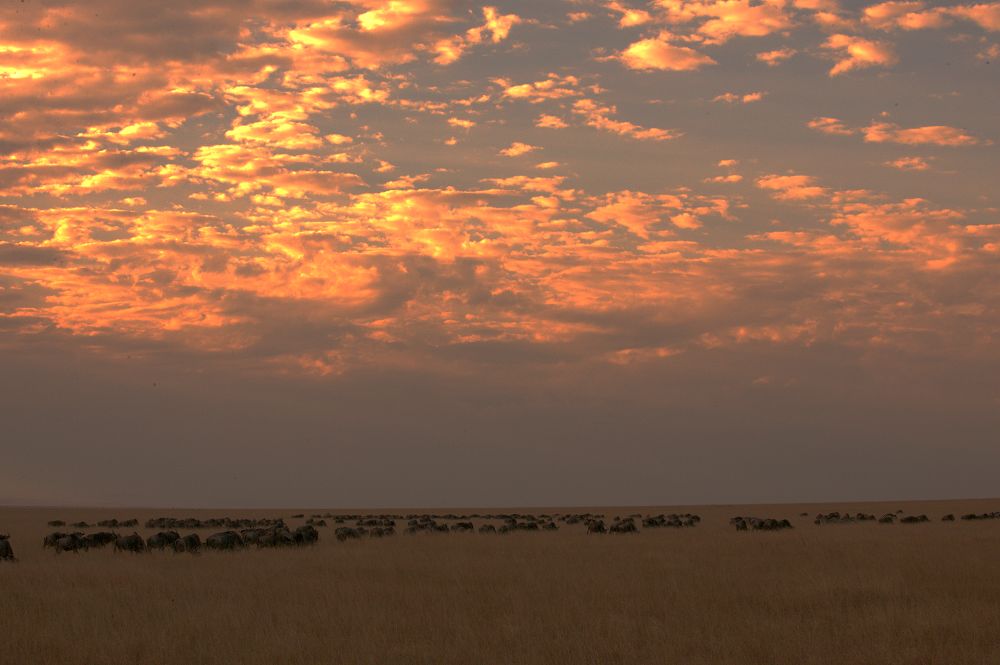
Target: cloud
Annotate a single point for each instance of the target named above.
(636, 211)
(599, 117)
(745, 98)
(775, 57)
(517, 149)
(941, 135)
(630, 16)
(830, 126)
(550, 122)
(399, 32)
(887, 132)
(859, 53)
(986, 15)
(906, 15)
(791, 187)
(553, 86)
(659, 53)
(910, 163)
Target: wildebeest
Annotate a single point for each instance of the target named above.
(6, 550)
(189, 543)
(948, 518)
(344, 532)
(487, 528)
(914, 519)
(224, 540)
(162, 540)
(57, 523)
(596, 526)
(624, 526)
(99, 539)
(760, 524)
(306, 535)
(73, 542)
(131, 543)
(64, 542)
(50, 540)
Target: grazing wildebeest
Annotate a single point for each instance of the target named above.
(344, 532)
(487, 528)
(73, 542)
(596, 526)
(50, 540)
(6, 551)
(625, 526)
(131, 543)
(162, 540)
(57, 523)
(306, 535)
(914, 519)
(99, 539)
(759, 524)
(224, 540)
(948, 518)
(189, 543)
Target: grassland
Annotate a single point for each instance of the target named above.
(860, 593)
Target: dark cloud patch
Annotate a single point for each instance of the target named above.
(26, 255)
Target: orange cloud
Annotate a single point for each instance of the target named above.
(776, 57)
(746, 98)
(659, 53)
(550, 122)
(905, 14)
(910, 164)
(942, 135)
(791, 187)
(599, 117)
(552, 87)
(517, 149)
(636, 211)
(830, 126)
(859, 53)
(629, 16)
(986, 15)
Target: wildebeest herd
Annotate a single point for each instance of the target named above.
(239, 533)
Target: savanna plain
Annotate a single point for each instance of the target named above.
(864, 592)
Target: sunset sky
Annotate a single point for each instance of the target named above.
(431, 252)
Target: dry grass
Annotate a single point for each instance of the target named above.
(861, 593)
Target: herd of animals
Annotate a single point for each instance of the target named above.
(244, 532)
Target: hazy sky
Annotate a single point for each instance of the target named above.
(431, 252)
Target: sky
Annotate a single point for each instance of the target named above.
(378, 253)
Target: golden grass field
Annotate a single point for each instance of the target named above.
(855, 593)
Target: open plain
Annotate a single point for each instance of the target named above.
(925, 593)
